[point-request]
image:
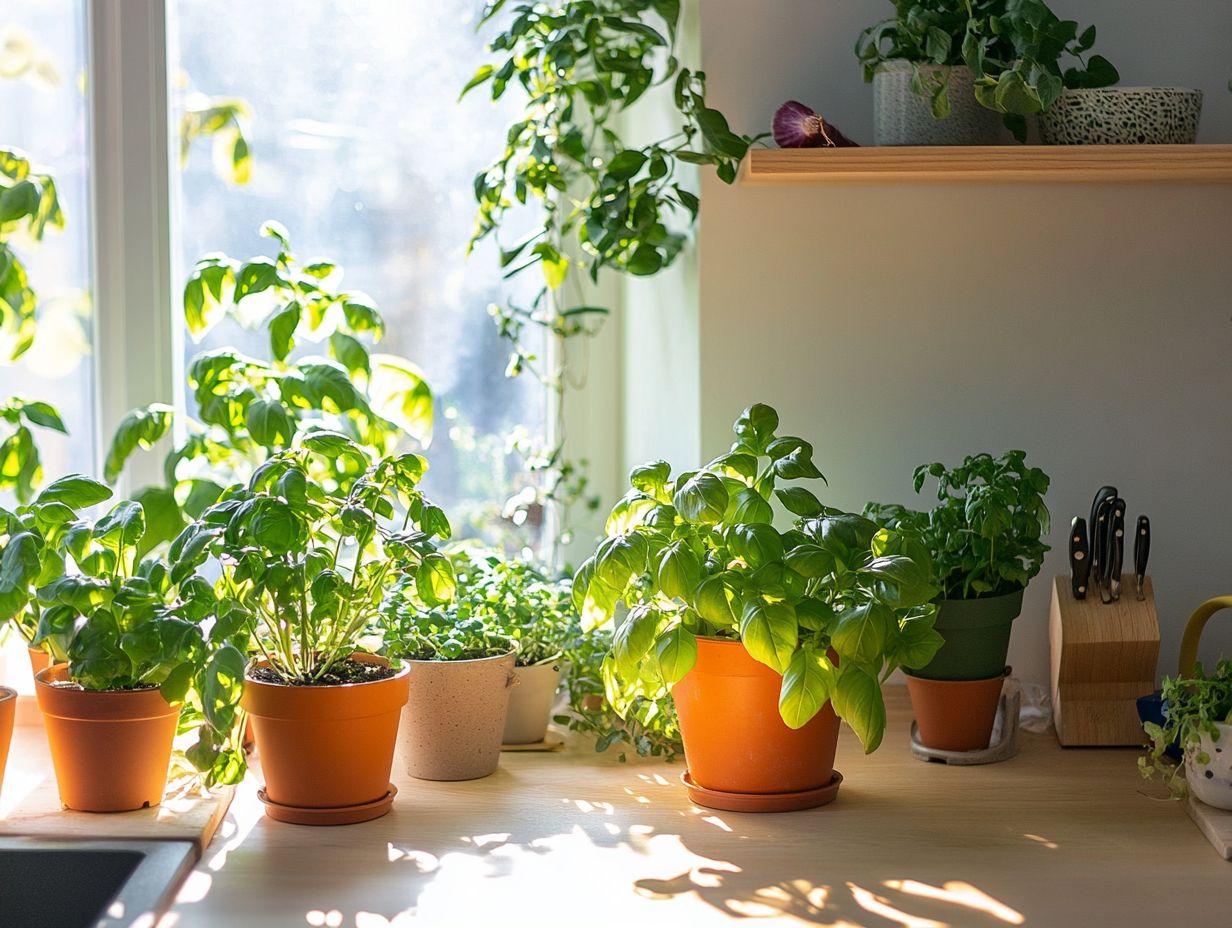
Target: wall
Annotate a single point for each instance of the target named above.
(896, 325)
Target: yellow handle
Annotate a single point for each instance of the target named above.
(1193, 632)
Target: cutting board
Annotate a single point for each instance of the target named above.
(1216, 824)
(30, 805)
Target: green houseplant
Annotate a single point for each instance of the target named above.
(461, 662)
(1198, 717)
(985, 537)
(762, 636)
(138, 652)
(1007, 54)
(306, 568)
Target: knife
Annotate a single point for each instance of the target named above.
(1079, 557)
(1116, 548)
(1142, 553)
(1100, 548)
(1096, 538)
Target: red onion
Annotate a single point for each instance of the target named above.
(797, 126)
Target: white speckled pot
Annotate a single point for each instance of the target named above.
(1212, 782)
(530, 703)
(453, 722)
(903, 117)
(1123, 116)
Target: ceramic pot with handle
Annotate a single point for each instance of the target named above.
(1208, 768)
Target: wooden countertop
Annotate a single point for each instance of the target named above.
(1051, 838)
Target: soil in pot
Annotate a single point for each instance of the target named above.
(977, 637)
(8, 715)
(455, 717)
(530, 703)
(735, 741)
(956, 715)
(1211, 781)
(110, 750)
(328, 746)
(903, 117)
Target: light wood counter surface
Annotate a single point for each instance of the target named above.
(1052, 838)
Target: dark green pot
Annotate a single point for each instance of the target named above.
(977, 637)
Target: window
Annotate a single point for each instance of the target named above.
(43, 119)
(359, 148)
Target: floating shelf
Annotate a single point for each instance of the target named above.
(999, 164)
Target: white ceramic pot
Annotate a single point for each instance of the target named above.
(903, 117)
(453, 721)
(1123, 116)
(530, 703)
(1211, 781)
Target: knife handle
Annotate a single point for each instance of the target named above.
(1079, 557)
(1142, 553)
(1116, 547)
(1096, 537)
(1100, 549)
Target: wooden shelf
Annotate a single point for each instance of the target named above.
(1008, 164)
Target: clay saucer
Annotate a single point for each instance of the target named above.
(762, 802)
(334, 815)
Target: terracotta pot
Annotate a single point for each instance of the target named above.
(454, 719)
(530, 704)
(40, 660)
(326, 746)
(110, 750)
(955, 715)
(8, 714)
(735, 741)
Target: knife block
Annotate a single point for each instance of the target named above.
(1103, 658)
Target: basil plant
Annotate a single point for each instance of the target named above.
(81, 589)
(834, 604)
(305, 568)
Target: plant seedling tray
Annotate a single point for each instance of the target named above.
(1002, 746)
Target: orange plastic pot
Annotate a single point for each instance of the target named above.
(326, 747)
(955, 715)
(110, 750)
(735, 741)
(40, 660)
(8, 714)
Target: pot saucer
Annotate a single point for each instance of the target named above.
(762, 802)
(334, 815)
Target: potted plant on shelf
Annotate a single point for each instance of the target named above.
(1198, 717)
(307, 565)
(985, 539)
(764, 638)
(461, 670)
(536, 612)
(943, 69)
(137, 649)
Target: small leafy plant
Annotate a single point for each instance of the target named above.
(1013, 47)
(250, 409)
(833, 605)
(122, 622)
(1192, 707)
(306, 569)
(985, 534)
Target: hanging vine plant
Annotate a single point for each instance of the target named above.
(603, 201)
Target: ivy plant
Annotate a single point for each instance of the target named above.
(305, 567)
(599, 200)
(1014, 48)
(29, 205)
(249, 408)
(79, 589)
(1193, 706)
(985, 535)
(833, 604)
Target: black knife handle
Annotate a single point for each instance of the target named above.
(1079, 557)
(1100, 549)
(1116, 547)
(1096, 538)
(1142, 553)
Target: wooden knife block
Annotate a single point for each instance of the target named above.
(1103, 659)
